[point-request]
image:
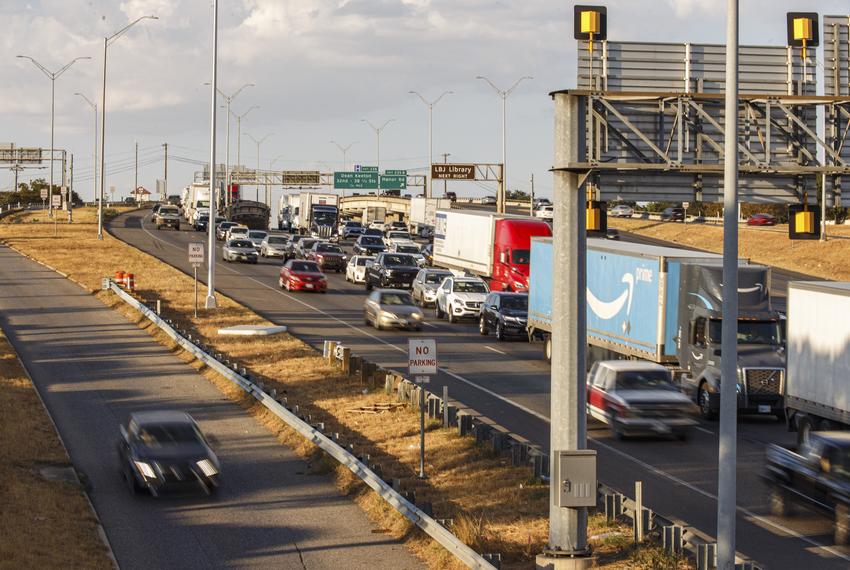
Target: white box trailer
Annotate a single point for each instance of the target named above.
(423, 213)
(199, 199)
(817, 391)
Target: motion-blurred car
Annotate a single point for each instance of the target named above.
(392, 308)
(300, 275)
(303, 246)
(761, 220)
(621, 211)
(376, 225)
(460, 297)
(428, 253)
(161, 451)
(200, 223)
(393, 236)
(488, 201)
(369, 245)
(221, 230)
(395, 226)
(504, 313)
(239, 249)
(355, 271)
(636, 397)
(273, 246)
(424, 291)
(328, 256)
(674, 214)
(291, 244)
(256, 237)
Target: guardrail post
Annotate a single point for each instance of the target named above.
(707, 556)
(494, 559)
(388, 384)
(464, 424)
(638, 518)
(672, 539)
(346, 361)
(445, 406)
(613, 506)
(331, 355)
(519, 453)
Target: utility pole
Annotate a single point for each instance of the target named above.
(728, 440)
(210, 302)
(136, 176)
(165, 173)
(71, 193)
(500, 199)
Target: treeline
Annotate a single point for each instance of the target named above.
(30, 193)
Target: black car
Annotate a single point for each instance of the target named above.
(674, 214)
(394, 270)
(369, 245)
(291, 244)
(161, 451)
(201, 222)
(504, 313)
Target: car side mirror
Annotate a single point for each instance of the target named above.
(124, 435)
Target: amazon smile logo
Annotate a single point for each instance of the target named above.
(606, 310)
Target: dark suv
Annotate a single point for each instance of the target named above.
(392, 270)
(369, 245)
(504, 313)
(328, 256)
(674, 214)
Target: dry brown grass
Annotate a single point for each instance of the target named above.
(45, 524)
(770, 246)
(496, 507)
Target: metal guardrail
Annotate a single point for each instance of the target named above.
(429, 525)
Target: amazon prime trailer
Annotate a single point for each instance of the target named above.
(663, 304)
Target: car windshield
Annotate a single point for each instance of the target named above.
(226, 225)
(364, 260)
(470, 287)
(435, 277)
(307, 243)
(305, 266)
(402, 260)
(257, 235)
(328, 248)
(324, 218)
(518, 303)
(371, 240)
(520, 256)
(169, 211)
(202, 204)
(278, 240)
(235, 231)
(407, 249)
(644, 380)
(373, 232)
(168, 434)
(295, 239)
(393, 235)
(241, 243)
(749, 332)
(353, 225)
(396, 299)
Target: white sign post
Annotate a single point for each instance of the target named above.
(196, 258)
(422, 364)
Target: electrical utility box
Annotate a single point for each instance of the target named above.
(575, 476)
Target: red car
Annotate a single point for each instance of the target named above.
(300, 275)
(761, 220)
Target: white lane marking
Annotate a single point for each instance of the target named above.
(703, 430)
(431, 325)
(496, 350)
(652, 469)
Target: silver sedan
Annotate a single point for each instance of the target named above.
(392, 308)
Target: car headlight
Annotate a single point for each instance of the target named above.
(145, 469)
(294, 278)
(207, 468)
(388, 316)
(416, 316)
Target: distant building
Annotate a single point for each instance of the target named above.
(140, 195)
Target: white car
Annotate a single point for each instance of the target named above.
(273, 246)
(239, 249)
(545, 212)
(257, 237)
(396, 235)
(460, 297)
(621, 211)
(408, 246)
(240, 232)
(377, 226)
(355, 271)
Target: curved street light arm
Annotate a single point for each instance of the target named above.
(121, 32)
(92, 105)
(499, 91)
(437, 100)
(515, 85)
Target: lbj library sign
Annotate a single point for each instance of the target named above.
(453, 172)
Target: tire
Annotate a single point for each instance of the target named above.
(437, 311)
(450, 314)
(177, 227)
(842, 524)
(368, 285)
(500, 332)
(482, 327)
(376, 324)
(780, 506)
(804, 430)
(547, 348)
(704, 403)
(366, 319)
(616, 429)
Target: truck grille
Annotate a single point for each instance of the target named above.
(763, 381)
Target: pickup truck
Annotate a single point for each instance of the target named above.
(167, 216)
(815, 474)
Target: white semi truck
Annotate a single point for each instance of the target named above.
(197, 197)
(423, 214)
(817, 391)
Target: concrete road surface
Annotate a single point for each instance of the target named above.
(93, 368)
(509, 382)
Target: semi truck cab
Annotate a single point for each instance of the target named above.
(512, 253)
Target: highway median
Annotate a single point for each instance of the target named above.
(495, 507)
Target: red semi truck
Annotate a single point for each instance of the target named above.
(494, 246)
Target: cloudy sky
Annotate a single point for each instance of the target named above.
(320, 66)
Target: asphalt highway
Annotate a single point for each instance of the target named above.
(509, 382)
(93, 367)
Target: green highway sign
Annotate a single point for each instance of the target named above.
(395, 172)
(359, 168)
(356, 180)
(393, 182)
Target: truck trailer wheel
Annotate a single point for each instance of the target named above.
(780, 506)
(704, 401)
(804, 430)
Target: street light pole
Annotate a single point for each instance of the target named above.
(94, 151)
(500, 199)
(210, 302)
(257, 174)
(344, 150)
(378, 134)
(227, 101)
(106, 42)
(52, 76)
(430, 106)
(239, 133)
